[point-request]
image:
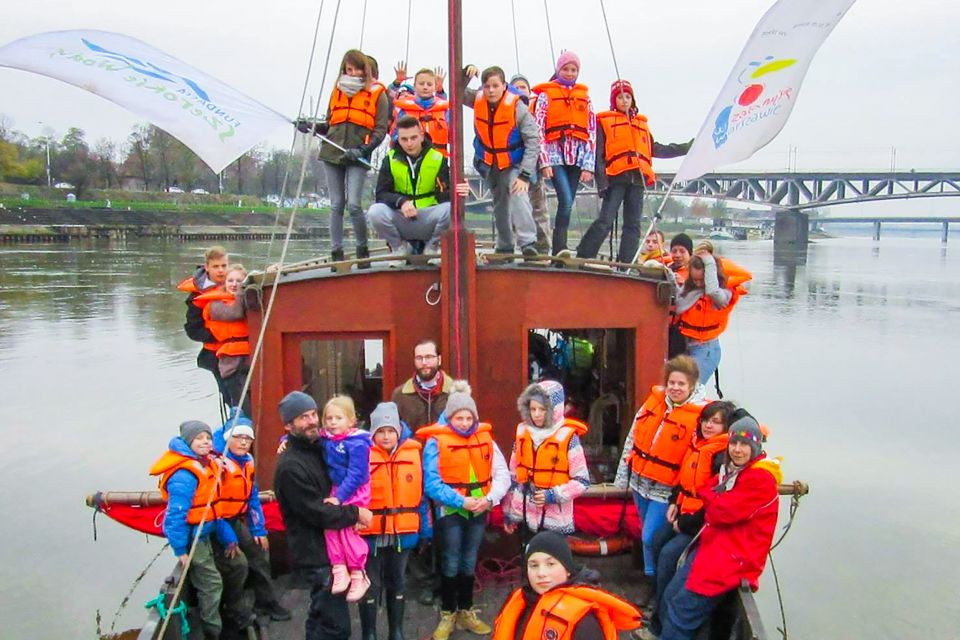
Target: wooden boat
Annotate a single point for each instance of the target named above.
(499, 320)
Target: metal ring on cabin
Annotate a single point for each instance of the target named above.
(434, 287)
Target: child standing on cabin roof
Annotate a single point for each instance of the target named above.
(538, 193)
(188, 483)
(568, 131)
(347, 454)
(429, 109)
(625, 152)
(357, 120)
(548, 469)
(506, 145)
(396, 501)
(466, 475)
(225, 315)
(238, 505)
(559, 601)
(654, 448)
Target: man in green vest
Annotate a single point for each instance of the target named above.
(413, 192)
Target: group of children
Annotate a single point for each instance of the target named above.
(696, 472)
(523, 136)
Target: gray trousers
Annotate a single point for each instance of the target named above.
(541, 217)
(392, 226)
(345, 187)
(510, 210)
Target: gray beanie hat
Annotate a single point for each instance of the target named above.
(385, 415)
(458, 401)
(192, 428)
(294, 404)
(745, 428)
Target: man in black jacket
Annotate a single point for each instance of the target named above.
(301, 483)
(413, 192)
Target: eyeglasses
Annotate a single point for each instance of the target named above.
(430, 358)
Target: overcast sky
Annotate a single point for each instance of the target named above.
(886, 76)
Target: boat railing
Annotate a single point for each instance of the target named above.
(151, 627)
(749, 624)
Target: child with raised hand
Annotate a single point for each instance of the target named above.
(347, 454)
(558, 600)
(568, 134)
(428, 108)
(548, 469)
(188, 482)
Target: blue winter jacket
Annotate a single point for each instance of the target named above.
(181, 487)
(433, 485)
(348, 463)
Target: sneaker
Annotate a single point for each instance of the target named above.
(274, 610)
(467, 619)
(359, 583)
(448, 619)
(644, 633)
(337, 255)
(341, 578)
(565, 253)
(529, 250)
(402, 251)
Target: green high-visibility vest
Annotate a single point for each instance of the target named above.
(424, 193)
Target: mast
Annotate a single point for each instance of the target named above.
(458, 266)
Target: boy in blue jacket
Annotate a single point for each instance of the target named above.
(188, 482)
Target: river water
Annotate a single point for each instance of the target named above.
(845, 357)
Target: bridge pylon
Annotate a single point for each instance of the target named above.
(791, 229)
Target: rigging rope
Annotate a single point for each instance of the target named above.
(613, 55)
(406, 49)
(546, 12)
(516, 43)
(363, 24)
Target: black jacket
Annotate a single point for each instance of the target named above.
(301, 483)
(386, 190)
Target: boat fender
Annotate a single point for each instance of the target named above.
(595, 547)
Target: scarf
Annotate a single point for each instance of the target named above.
(429, 393)
(351, 85)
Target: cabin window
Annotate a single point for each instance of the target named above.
(595, 367)
(353, 367)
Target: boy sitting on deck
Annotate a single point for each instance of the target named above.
(188, 483)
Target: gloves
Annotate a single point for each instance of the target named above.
(353, 155)
(305, 125)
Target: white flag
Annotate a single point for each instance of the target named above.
(759, 95)
(217, 122)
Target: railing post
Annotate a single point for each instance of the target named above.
(946, 232)
(876, 230)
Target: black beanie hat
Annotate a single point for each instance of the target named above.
(683, 240)
(552, 544)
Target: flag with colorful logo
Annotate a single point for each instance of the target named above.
(217, 122)
(760, 92)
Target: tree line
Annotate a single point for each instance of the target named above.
(150, 159)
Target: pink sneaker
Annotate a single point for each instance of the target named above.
(359, 583)
(341, 579)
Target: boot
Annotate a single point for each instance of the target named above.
(464, 592)
(445, 627)
(336, 255)
(359, 583)
(448, 593)
(363, 251)
(468, 619)
(395, 607)
(368, 618)
(341, 579)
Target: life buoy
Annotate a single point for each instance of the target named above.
(594, 547)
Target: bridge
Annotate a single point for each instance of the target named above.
(879, 221)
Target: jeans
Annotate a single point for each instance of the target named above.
(707, 355)
(566, 181)
(461, 538)
(631, 196)
(653, 515)
(345, 186)
(668, 547)
(395, 228)
(511, 211)
(328, 617)
(683, 611)
(386, 567)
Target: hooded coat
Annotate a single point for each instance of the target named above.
(557, 513)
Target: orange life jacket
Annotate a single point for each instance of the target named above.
(660, 255)
(189, 286)
(736, 275)
(458, 454)
(697, 468)
(548, 465)
(703, 321)
(361, 109)
(396, 489)
(568, 111)
(556, 614)
(628, 145)
(171, 462)
(433, 120)
(232, 337)
(661, 438)
(236, 485)
(497, 135)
